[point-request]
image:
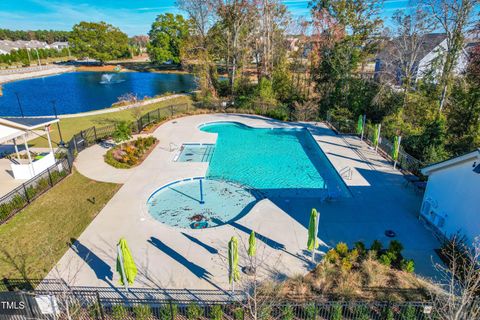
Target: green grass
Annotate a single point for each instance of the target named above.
(37, 237)
(71, 126)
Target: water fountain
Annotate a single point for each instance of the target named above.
(107, 78)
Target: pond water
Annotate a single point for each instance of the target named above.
(85, 91)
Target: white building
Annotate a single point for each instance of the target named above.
(451, 201)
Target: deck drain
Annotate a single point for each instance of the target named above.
(390, 233)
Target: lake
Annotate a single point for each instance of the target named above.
(85, 91)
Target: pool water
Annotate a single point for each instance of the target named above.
(278, 162)
(179, 204)
(245, 165)
(196, 152)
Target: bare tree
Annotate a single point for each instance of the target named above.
(305, 111)
(460, 281)
(454, 18)
(202, 15)
(402, 53)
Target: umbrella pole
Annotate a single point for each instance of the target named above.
(232, 275)
(201, 192)
(315, 236)
(124, 278)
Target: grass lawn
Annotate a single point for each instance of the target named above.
(37, 237)
(71, 126)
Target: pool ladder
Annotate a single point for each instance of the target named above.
(346, 173)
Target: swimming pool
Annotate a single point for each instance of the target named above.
(198, 202)
(245, 165)
(276, 161)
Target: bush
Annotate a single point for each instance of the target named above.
(408, 313)
(388, 314)
(336, 312)
(142, 312)
(119, 311)
(395, 247)
(93, 311)
(361, 249)
(407, 265)
(332, 256)
(123, 131)
(278, 113)
(168, 312)
(342, 249)
(287, 313)
(216, 312)
(265, 312)
(194, 311)
(238, 313)
(129, 154)
(362, 313)
(310, 312)
(386, 259)
(376, 246)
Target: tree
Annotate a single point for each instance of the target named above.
(344, 35)
(236, 18)
(100, 41)
(167, 36)
(460, 281)
(201, 15)
(409, 31)
(454, 18)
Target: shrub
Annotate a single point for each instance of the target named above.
(265, 312)
(336, 312)
(408, 313)
(119, 311)
(386, 259)
(287, 313)
(395, 247)
(123, 131)
(194, 311)
(332, 256)
(342, 249)
(216, 312)
(93, 311)
(362, 313)
(361, 249)
(388, 314)
(310, 312)
(376, 246)
(129, 154)
(238, 313)
(142, 311)
(168, 312)
(407, 265)
(346, 264)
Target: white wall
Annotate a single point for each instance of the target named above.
(28, 171)
(454, 195)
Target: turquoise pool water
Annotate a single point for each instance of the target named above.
(245, 165)
(275, 161)
(180, 203)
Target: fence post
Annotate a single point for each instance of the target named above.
(148, 117)
(100, 307)
(171, 110)
(158, 113)
(50, 177)
(25, 191)
(95, 133)
(74, 139)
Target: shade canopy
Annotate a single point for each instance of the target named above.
(11, 128)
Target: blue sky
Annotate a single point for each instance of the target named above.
(133, 17)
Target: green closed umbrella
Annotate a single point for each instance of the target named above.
(234, 274)
(312, 242)
(360, 124)
(396, 144)
(125, 265)
(375, 135)
(252, 244)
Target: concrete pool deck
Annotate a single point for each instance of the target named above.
(183, 258)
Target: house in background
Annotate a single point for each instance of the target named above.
(451, 200)
(429, 58)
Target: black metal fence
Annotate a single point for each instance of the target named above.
(95, 305)
(160, 114)
(23, 195)
(385, 147)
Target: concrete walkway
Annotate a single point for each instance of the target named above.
(183, 258)
(21, 74)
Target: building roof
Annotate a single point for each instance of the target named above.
(27, 123)
(452, 162)
(429, 43)
(9, 133)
